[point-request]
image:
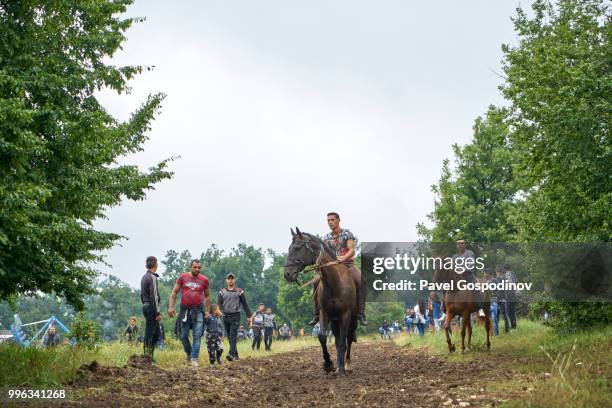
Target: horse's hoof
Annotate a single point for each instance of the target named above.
(328, 367)
(340, 372)
(452, 348)
(462, 351)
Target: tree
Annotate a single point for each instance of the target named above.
(477, 202)
(559, 84)
(59, 148)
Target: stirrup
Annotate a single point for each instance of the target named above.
(362, 320)
(315, 320)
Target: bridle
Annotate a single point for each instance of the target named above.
(317, 265)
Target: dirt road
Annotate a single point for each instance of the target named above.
(384, 375)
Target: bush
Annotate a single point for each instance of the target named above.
(85, 332)
(571, 316)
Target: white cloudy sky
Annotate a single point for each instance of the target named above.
(283, 110)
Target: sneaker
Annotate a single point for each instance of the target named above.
(219, 361)
(481, 313)
(212, 365)
(188, 359)
(194, 362)
(229, 357)
(236, 357)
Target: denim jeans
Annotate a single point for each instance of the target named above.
(194, 321)
(495, 316)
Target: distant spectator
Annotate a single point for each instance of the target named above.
(132, 331)
(285, 332)
(242, 334)
(408, 320)
(436, 311)
(511, 298)
(52, 338)
(419, 312)
(316, 330)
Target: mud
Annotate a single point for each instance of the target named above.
(384, 375)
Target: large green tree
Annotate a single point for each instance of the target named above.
(476, 198)
(559, 84)
(59, 148)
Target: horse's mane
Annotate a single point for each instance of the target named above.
(326, 247)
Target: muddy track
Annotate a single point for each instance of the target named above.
(384, 375)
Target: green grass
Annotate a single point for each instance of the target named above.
(562, 371)
(51, 367)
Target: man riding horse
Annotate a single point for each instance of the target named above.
(342, 242)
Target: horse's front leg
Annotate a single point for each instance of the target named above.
(447, 328)
(341, 342)
(464, 322)
(350, 339)
(469, 332)
(328, 365)
(488, 328)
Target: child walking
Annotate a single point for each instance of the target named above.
(214, 336)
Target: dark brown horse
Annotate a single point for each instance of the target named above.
(336, 294)
(461, 303)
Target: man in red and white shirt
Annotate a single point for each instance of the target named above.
(195, 304)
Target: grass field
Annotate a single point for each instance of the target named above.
(568, 371)
(564, 371)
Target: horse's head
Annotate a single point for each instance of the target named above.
(441, 274)
(303, 251)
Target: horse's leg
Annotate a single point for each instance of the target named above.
(469, 332)
(464, 322)
(488, 327)
(350, 340)
(328, 365)
(341, 342)
(447, 328)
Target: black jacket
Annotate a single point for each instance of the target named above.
(149, 292)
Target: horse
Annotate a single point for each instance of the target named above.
(461, 303)
(336, 294)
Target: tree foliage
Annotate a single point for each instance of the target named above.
(559, 84)
(475, 200)
(59, 148)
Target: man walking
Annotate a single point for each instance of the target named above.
(501, 297)
(269, 325)
(342, 242)
(149, 295)
(195, 304)
(257, 321)
(511, 298)
(229, 300)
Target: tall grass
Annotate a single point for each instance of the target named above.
(565, 370)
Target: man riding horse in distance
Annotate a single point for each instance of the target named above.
(342, 242)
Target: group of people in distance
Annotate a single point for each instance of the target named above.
(197, 311)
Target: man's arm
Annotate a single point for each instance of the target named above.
(245, 305)
(171, 310)
(206, 302)
(350, 244)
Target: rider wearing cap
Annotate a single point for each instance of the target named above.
(342, 242)
(229, 300)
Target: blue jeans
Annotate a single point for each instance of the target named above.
(195, 323)
(495, 316)
(421, 328)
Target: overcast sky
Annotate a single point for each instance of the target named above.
(283, 110)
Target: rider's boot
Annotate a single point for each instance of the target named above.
(315, 316)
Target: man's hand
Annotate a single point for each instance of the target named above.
(206, 315)
(171, 311)
(158, 317)
(249, 320)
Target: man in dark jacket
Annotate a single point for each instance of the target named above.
(149, 295)
(229, 300)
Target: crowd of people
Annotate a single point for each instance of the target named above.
(421, 317)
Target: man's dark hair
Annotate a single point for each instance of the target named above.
(151, 262)
(335, 214)
(195, 261)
